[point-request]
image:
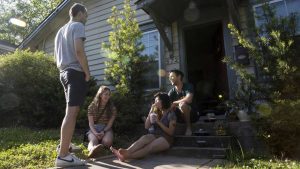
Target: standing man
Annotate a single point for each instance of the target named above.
(74, 74)
(181, 96)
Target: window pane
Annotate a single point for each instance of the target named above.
(283, 8)
(259, 16)
(293, 6)
(151, 44)
(279, 8)
(152, 79)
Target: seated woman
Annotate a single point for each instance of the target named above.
(161, 127)
(101, 116)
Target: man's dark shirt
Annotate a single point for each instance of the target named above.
(186, 89)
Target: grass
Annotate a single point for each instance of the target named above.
(240, 160)
(262, 164)
(34, 149)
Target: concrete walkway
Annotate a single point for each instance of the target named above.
(153, 161)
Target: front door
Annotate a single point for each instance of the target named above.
(204, 49)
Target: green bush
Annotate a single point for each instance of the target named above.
(273, 89)
(281, 128)
(129, 113)
(31, 93)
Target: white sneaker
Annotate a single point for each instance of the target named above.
(68, 161)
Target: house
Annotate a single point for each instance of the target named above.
(6, 47)
(190, 35)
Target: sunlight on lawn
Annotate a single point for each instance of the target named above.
(25, 148)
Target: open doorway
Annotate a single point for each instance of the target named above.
(205, 69)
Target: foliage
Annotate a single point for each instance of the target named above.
(129, 116)
(30, 11)
(31, 93)
(125, 65)
(274, 93)
(281, 129)
(273, 51)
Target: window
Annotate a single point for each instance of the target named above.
(151, 41)
(283, 8)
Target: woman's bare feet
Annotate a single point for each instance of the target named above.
(96, 151)
(124, 153)
(117, 154)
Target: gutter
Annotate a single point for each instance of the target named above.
(43, 24)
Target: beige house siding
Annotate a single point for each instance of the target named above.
(97, 31)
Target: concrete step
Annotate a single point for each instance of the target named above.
(203, 141)
(207, 152)
(209, 127)
(208, 118)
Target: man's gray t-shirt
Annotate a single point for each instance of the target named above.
(64, 45)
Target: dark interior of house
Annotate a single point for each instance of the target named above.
(206, 71)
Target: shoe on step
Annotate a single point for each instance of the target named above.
(68, 161)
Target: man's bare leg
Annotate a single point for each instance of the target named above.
(186, 110)
(67, 129)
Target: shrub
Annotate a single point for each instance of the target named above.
(126, 66)
(129, 113)
(31, 93)
(276, 56)
(281, 128)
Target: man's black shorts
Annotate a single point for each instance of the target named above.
(75, 86)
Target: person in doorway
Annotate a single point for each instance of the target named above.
(161, 123)
(74, 74)
(181, 96)
(101, 116)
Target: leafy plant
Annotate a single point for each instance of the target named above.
(30, 11)
(126, 65)
(32, 94)
(274, 53)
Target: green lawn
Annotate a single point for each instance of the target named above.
(27, 148)
(262, 164)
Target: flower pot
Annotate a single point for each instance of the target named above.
(243, 116)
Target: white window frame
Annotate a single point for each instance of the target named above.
(271, 2)
(159, 58)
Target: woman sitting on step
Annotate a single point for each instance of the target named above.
(161, 123)
(101, 116)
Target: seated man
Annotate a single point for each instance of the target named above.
(181, 96)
